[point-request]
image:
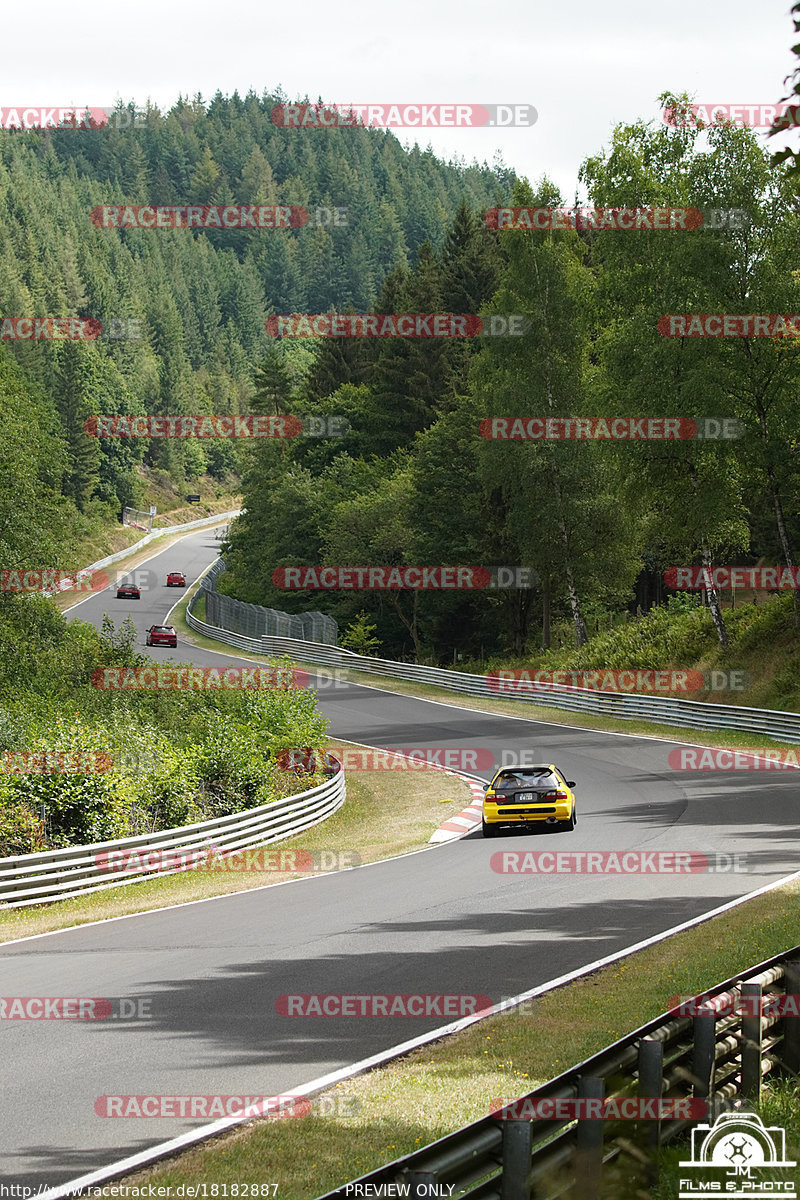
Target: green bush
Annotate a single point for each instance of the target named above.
(360, 635)
(96, 765)
(21, 831)
(66, 777)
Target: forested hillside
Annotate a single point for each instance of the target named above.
(412, 481)
(187, 307)
(598, 520)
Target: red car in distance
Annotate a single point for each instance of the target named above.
(162, 635)
(176, 579)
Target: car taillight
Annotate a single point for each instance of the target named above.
(556, 796)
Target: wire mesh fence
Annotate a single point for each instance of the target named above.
(138, 519)
(254, 620)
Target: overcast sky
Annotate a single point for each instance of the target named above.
(583, 66)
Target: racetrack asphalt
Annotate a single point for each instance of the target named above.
(441, 921)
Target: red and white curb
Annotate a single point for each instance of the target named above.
(464, 822)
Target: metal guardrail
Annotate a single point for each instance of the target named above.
(77, 870)
(254, 620)
(711, 1057)
(694, 714)
(215, 519)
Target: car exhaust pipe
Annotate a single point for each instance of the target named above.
(552, 820)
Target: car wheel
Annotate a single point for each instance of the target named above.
(489, 830)
(569, 825)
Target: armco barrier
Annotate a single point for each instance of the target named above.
(785, 726)
(711, 1057)
(75, 871)
(216, 519)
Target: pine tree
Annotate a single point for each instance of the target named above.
(273, 386)
(75, 400)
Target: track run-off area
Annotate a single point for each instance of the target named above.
(442, 921)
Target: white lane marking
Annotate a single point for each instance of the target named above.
(648, 737)
(126, 1165)
(189, 587)
(227, 895)
(163, 550)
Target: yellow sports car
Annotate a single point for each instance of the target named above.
(527, 795)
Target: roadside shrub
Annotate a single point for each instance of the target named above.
(65, 777)
(21, 831)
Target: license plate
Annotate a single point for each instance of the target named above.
(522, 797)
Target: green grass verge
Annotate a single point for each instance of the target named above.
(763, 642)
(381, 817)
(432, 1091)
(724, 739)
